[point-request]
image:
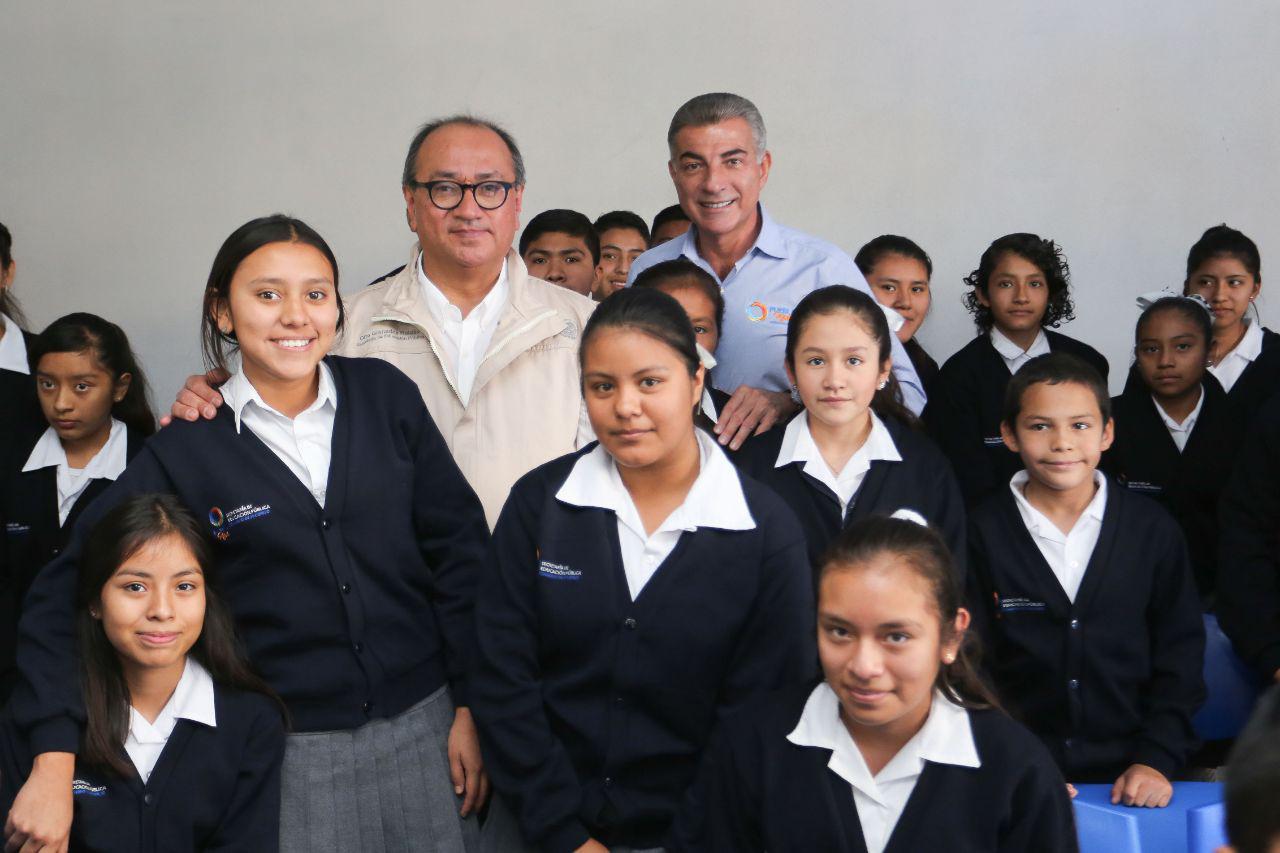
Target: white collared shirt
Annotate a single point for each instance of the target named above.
(107, 464)
(1014, 356)
(798, 446)
(715, 500)
(1231, 366)
(304, 443)
(1180, 432)
(945, 738)
(13, 349)
(1067, 554)
(192, 700)
(466, 339)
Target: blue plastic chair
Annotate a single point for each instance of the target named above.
(1184, 826)
(1231, 686)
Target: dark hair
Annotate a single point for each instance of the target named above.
(243, 242)
(1055, 368)
(561, 221)
(1253, 777)
(411, 159)
(1223, 240)
(650, 312)
(891, 244)
(120, 534)
(825, 301)
(674, 213)
(109, 346)
(682, 272)
(622, 219)
(1045, 254)
(8, 303)
(923, 550)
(1191, 310)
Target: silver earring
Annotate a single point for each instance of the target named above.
(883, 385)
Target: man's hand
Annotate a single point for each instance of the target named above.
(592, 846)
(40, 819)
(198, 399)
(751, 410)
(466, 768)
(1142, 786)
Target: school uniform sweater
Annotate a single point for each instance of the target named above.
(926, 367)
(964, 412)
(921, 482)
(20, 415)
(594, 708)
(1114, 678)
(213, 787)
(30, 536)
(352, 611)
(1259, 382)
(1249, 546)
(758, 791)
(1144, 459)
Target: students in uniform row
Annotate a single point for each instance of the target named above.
(94, 397)
(624, 236)
(348, 545)
(561, 247)
(1174, 438)
(19, 412)
(900, 748)
(636, 592)
(1082, 593)
(182, 742)
(854, 450)
(898, 272)
(1021, 290)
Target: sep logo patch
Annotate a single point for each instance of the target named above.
(223, 522)
(558, 571)
(81, 788)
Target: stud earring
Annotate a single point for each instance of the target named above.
(949, 659)
(883, 385)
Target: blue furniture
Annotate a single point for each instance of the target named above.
(1231, 687)
(1191, 823)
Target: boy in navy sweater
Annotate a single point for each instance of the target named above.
(1084, 595)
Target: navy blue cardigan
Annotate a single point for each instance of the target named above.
(1114, 678)
(965, 408)
(20, 417)
(353, 611)
(593, 709)
(1259, 381)
(757, 791)
(922, 481)
(211, 789)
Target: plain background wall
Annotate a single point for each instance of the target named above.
(135, 136)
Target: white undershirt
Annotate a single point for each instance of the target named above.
(1180, 432)
(714, 500)
(1230, 368)
(1067, 554)
(945, 738)
(798, 446)
(304, 443)
(107, 464)
(1014, 356)
(192, 700)
(466, 339)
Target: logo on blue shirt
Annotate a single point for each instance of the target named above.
(758, 312)
(558, 571)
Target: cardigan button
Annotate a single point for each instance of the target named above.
(148, 799)
(359, 648)
(346, 589)
(629, 622)
(1075, 624)
(324, 523)
(367, 707)
(608, 781)
(1074, 684)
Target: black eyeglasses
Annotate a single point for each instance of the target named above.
(446, 195)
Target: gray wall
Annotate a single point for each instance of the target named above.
(135, 136)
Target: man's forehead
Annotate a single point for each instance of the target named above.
(459, 150)
(716, 138)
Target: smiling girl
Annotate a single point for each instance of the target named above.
(900, 747)
(347, 542)
(898, 272)
(1020, 293)
(637, 590)
(182, 742)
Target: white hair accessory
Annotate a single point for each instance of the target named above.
(704, 355)
(910, 515)
(1146, 300)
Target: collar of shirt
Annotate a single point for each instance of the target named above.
(1039, 524)
(107, 464)
(715, 500)
(238, 393)
(13, 349)
(485, 314)
(1187, 425)
(192, 700)
(798, 446)
(770, 241)
(945, 738)
(1014, 355)
(1229, 368)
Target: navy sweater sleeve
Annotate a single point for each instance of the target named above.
(720, 811)
(955, 423)
(252, 820)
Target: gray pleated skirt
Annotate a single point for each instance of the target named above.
(382, 788)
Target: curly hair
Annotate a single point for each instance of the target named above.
(1046, 255)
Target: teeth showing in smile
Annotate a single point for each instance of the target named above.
(299, 344)
(716, 205)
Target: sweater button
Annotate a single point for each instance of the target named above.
(608, 781)
(367, 707)
(324, 523)
(357, 647)
(629, 622)
(346, 589)
(1074, 684)
(1075, 624)
(148, 799)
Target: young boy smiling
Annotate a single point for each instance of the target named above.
(1082, 592)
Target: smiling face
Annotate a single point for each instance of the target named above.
(77, 393)
(1171, 354)
(282, 306)
(881, 645)
(1060, 435)
(152, 608)
(718, 177)
(619, 247)
(1017, 294)
(902, 283)
(562, 259)
(1227, 286)
(837, 369)
(640, 397)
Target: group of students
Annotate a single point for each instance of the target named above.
(660, 644)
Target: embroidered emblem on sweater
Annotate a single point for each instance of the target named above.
(81, 788)
(223, 522)
(558, 571)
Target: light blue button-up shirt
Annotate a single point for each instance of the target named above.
(760, 293)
